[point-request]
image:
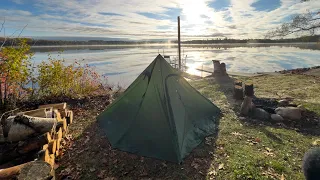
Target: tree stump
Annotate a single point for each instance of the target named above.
(216, 67)
(238, 92)
(238, 83)
(248, 90)
(223, 70)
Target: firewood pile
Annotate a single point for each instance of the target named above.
(30, 141)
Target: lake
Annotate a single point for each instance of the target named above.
(122, 64)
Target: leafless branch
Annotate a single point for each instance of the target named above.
(13, 41)
(300, 23)
(5, 38)
(2, 25)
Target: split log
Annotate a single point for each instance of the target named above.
(30, 170)
(248, 90)
(63, 113)
(238, 92)
(52, 146)
(58, 139)
(55, 106)
(57, 114)
(24, 147)
(44, 155)
(69, 117)
(52, 160)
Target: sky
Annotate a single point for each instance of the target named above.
(148, 19)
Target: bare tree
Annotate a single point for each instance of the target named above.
(307, 23)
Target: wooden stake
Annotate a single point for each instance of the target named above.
(179, 43)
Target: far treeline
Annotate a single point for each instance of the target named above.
(34, 42)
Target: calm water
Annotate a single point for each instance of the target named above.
(122, 64)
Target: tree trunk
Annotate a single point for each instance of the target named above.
(52, 146)
(238, 92)
(23, 148)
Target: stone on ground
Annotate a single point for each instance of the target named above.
(276, 117)
(292, 113)
(259, 113)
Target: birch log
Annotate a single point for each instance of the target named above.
(55, 106)
(32, 170)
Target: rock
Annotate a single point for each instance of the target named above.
(302, 108)
(283, 102)
(292, 113)
(260, 114)
(276, 117)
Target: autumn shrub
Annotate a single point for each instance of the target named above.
(20, 81)
(57, 79)
(15, 68)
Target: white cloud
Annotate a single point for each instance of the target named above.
(84, 18)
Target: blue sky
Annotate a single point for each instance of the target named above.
(148, 19)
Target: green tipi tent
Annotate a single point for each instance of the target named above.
(160, 115)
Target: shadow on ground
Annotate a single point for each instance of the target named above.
(89, 155)
(308, 125)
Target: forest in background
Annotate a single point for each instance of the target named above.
(39, 42)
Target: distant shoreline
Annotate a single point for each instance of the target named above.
(173, 44)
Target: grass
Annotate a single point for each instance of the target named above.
(257, 151)
(243, 149)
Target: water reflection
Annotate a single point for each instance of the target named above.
(122, 64)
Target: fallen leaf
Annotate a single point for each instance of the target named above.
(92, 169)
(101, 173)
(269, 154)
(221, 166)
(164, 164)
(282, 177)
(236, 134)
(268, 149)
(195, 165)
(213, 172)
(87, 140)
(316, 142)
